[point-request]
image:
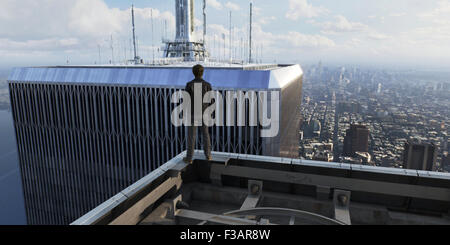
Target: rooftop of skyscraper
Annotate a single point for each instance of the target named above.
(221, 75)
(251, 190)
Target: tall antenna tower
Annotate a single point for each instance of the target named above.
(250, 40)
(241, 49)
(125, 50)
(134, 33)
(185, 45)
(204, 23)
(112, 50)
(261, 54)
(137, 49)
(231, 45)
(153, 40)
(255, 55)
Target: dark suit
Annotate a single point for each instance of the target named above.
(192, 130)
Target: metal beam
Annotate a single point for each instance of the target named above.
(133, 215)
(396, 189)
(214, 218)
(312, 218)
(250, 202)
(254, 194)
(341, 200)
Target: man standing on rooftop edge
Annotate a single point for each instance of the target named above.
(200, 86)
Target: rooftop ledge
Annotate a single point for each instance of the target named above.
(235, 189)
(251, 77)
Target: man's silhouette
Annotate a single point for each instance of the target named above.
(203, 87)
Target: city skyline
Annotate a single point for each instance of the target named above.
(406, 34)
(395, 107)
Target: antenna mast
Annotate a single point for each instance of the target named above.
(231, 47)
(134, 33)
(112, 50)
(250, 41)
(204, 23)
(153, 41)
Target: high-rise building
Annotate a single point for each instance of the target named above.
(419, 156)
(312, 129)
(446, 160)
(352, 107)
(86, 133)
(356, 140)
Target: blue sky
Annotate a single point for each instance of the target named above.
(391, 33)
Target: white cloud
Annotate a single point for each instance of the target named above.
(302, 9)
(435, 35)
(65, 26)
(266, 20)
(341, 24)
(257, 11)
(94, 18)
(42, 45)
(443, 9)
(290, 41)
(398, 14)
(215, 4)
(439, 17)
(297, 39)
(282, 46)
(378, 36)
(51, 31)
(285, 40)
(438, 28)
(232, 6)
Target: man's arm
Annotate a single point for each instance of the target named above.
(188, 88)
(208, 89)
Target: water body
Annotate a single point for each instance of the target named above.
(12, 207)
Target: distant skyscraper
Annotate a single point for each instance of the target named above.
(419, 156)
(446, 160)
(352, 107)
(446, 86)
(312, 129)
(356, 140)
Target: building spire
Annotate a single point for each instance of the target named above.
(204, 23)
(250, 34)
(134, 33)
(185, 45)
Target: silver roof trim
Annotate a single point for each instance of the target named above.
(173, 77)
(112, 203)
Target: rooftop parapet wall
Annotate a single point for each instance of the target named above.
(378, 195)
(176, 77)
